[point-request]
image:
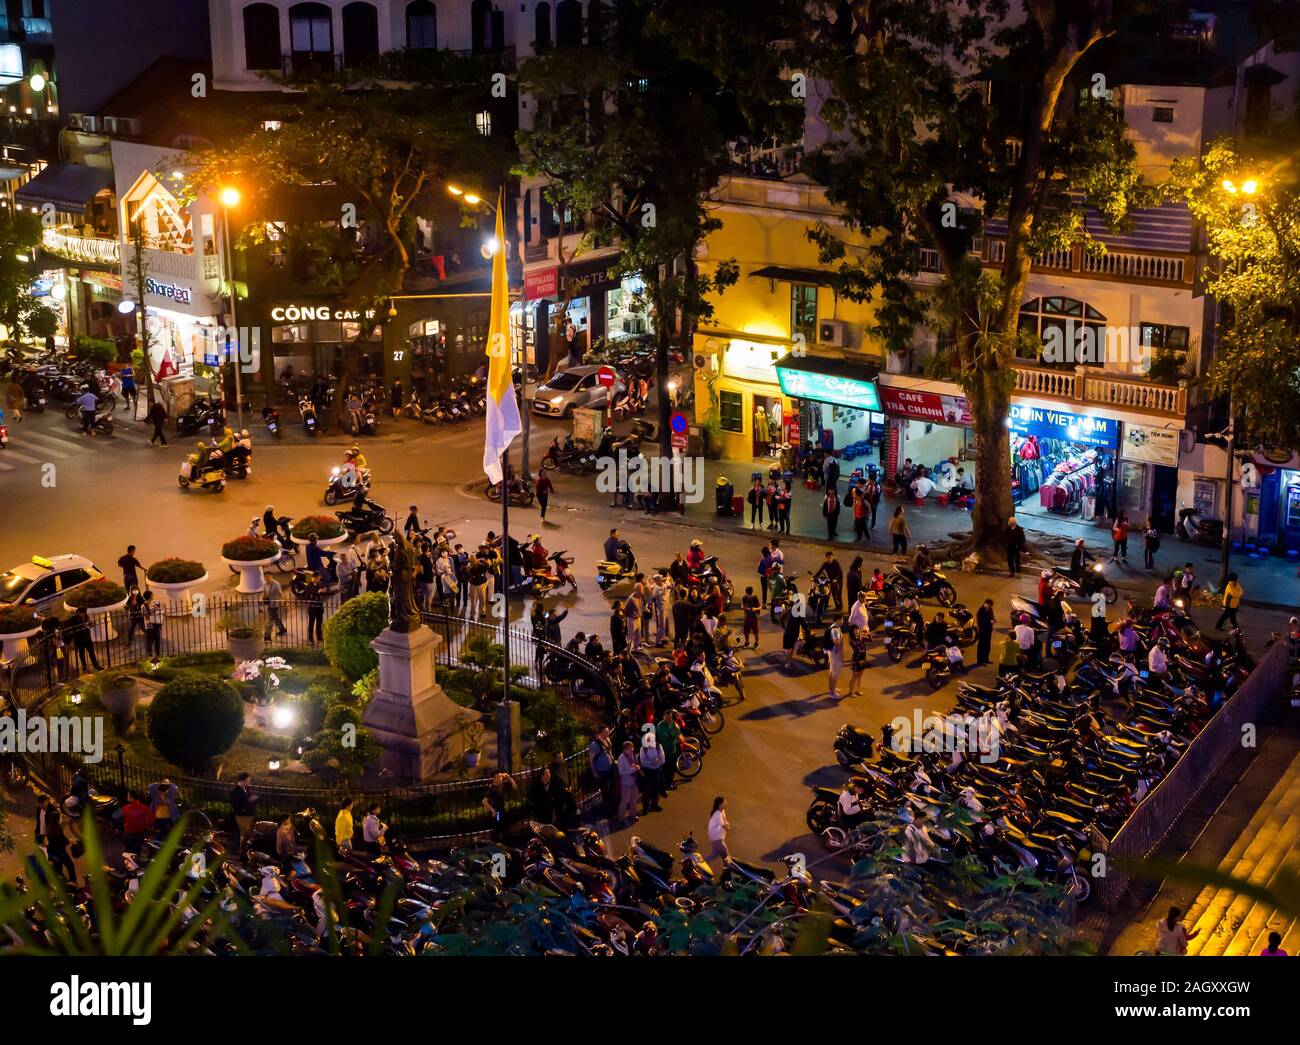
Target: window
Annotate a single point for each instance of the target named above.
(261, 37)
(803, 312)
(731, 410)
(542, 27)
(41, 590)
(1161, 336)
(421, 25)
(1071, 333)
(71, 578)
(360, 34)
(487, 27)
(309, 29)
(483, 123)
(568, 23)
(1162, 114)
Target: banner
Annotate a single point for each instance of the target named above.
(1150, 444)
(925, 406)
(1050, 423)
(502, 418)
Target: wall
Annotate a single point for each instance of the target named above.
(944, 441)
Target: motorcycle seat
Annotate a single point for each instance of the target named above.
(857, 733)
(758, 870)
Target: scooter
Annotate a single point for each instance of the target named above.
(4, 436)
(546, 581)
(337, 490)
(310, 425)
(271, 416)
(364, 520)
(853, 745)
(1093, 581)
(210, 477)
(941, 661)
(1193, 526)
(933, 583)
(622, 568)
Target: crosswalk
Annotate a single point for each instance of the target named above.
(33, 445)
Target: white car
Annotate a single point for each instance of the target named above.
(43, 583)
(573, 388)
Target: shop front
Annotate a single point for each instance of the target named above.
(310, 336)
(834, 406)
(1063, 463)
(929, 428)
(1271, 495)
(1148, 473)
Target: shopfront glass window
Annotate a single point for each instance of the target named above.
(731, 411)
(1205, 497)
(1131, 478)
(803, 312)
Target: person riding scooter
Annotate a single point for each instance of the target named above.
(922, 564)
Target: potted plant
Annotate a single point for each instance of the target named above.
(17, 625)
(174, 578)
(119, 695)
(249, 555)
(243, 638)
(99, 598)
(471, 739)
(328, 530)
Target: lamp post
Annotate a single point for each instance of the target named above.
(229, 197)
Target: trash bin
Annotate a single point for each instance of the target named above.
(724, 493)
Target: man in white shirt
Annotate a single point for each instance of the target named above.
(921, 486)
(1158, 659)
(1027, 639)
(1164, 597)
(859, 617)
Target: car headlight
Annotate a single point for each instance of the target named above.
(556, 400)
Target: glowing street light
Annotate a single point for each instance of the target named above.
(229, 196)
(37, 82)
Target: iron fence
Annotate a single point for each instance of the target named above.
(437, 815)
(1155, 816)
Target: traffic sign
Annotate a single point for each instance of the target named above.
(678, 423)
(680, 440)
(606, 376)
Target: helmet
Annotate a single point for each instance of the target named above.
(697, 543)
(355, 449)
(200, 444)
(243, 434)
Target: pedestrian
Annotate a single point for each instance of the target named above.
(1015, 546)
(373, 829)
(1119, 537)
(899, 531)
(130, 567)
(243, 803)
(617, 628)
(17, 400)
(757, 499)
(831, 512)
(1027, 638)
(542, 489)
(861, 514)
(1232, 594)
(718, 829)
(765, 561)
(749, 605)
(314, 596)
(49, 832)
(130, 392)
(1274, 948)
(652, 762)
(783, 499)
(854, 580)
(477, 574)
(668, 733)
(164, 805)
(273, 596)
(153, 624)
(833, 573)
(600, 760)
(136, 821)
(858, 638)
(343, 826)
(769, 499)
(1150, 545)
(984, 621)
(657, 596)
(395, 398)
(683, 616)
(833, 643)
(286, 845)
(135, 607)
(629, 773)
(1171, 937)
(156, 416)
(632, 618)
(1009, 655)
(83, 638)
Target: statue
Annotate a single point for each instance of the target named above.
(403, 610)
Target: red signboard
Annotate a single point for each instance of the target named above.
(606, 376)
(541, 283)
(790, 428)
(925, 406)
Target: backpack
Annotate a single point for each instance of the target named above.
(828, 640)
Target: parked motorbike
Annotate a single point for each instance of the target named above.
(271, 418)
(933, 584)
(522, 493)
(310, 422)
(1193, 525)
(853, 745)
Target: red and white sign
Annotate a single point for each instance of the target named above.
(606, 376)
(542, 283)
(925, 406)
(790, 428)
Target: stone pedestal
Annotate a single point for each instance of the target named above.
(409, 715)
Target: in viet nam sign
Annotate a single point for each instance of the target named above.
(1050, 423)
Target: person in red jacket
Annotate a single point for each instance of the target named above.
(136, 821)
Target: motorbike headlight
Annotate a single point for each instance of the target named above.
(1098, 568)
(334, 471)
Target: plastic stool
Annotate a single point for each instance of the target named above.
(1292, 554)
(1236, 547)
(943, 499)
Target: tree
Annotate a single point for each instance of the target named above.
(923, 96)
(382, 151)
(1249, 204)
(20, 312)
(137, 271)
(633, 134)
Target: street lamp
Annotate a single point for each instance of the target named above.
(229, 197)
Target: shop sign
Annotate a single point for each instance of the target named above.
(1050, 423)
(829, 388)
(1150, 444)
(172, 291)
(752, 361)
(925, 406)
(1276, 455)
(790, 428)
(103, 280)
(542, 283)
(298, 313)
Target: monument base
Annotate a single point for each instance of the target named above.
(409, 715)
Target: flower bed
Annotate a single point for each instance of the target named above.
(175, 571)
(15, 619)
(249, 549)
(323, 526)
(97, 593)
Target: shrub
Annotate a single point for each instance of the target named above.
(194, 718)
(323, 526)
(175, 571)
(249, 549)
(95, 349)
(15, 618)
(101, 592)
(235, 626)
(349, 632)
(363, 689)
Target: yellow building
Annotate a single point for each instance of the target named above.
(782, 309)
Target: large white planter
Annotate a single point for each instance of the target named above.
(178, 595)
(251, 579)
(101, 623)
(13, 645)
(321, 542)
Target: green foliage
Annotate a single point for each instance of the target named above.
(235, 626)
(194, 718)
(479, 673)
(175, 571)
(323, 526)
(95, 349)
(17, 618)
(349, 632)
(249, 549)
(96, 593)
(23, 314)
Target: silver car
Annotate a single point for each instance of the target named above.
(43, 583)
(572, 388)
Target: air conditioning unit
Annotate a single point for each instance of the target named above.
(833, 332)
(124, 126)
(88, 124)
(705, 362)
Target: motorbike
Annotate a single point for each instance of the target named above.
(271, 417)
(709, 573)
(210, 477)
(1066, 583)
(368, 421)
(103, 402)
(103, 423)
(789, 597)
(932, 584)
(1193, 525)
(310, 423)
(364, 520)
(615, 571)
(544, 581)
(203, 415)
(941, 662)
(853, 745)
(900, 635)
(336, 489)
(522, 493)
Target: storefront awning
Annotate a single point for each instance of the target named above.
(68, 186)
(790, 274)
(829, 379)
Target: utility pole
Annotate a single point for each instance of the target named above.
(140, 274)
(1230, 445)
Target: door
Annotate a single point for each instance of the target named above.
(1270, 488)
(1164, 497)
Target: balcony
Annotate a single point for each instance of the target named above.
(169, 263)
(1117, 266)
(1096, 387)
(85, 250)
(772, 161)
(307, 63)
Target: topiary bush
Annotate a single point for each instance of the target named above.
(14, 619)
(175, 571)
(323, 526)
(194, 718)
(349, 632)
(249, 549)
(101, 592)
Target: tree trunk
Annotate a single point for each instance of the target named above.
(663, 345)
(990, 405)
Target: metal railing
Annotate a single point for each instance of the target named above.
(437, 814)
(1155, 816)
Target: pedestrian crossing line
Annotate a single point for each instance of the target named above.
(54, 446)
(12, 454)
(6, 467)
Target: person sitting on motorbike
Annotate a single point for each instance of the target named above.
(354, 411)
(227, 441)
(848, 808)
(319, 561)
(200, 458)
(362, 503)
(695, 556)
(606, 447)
(936, 632)
(538, 555)
(358, 458)
(270, 522)
(910, 612)
(922, 564)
